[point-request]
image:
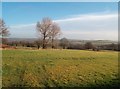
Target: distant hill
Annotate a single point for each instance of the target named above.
(95, 42)
(22, 39)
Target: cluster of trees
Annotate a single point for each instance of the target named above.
(64, 43)
(87, 45)
(49, 31)
(94, 47)
(90, 46)
(115, 47)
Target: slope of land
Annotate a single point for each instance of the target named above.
(59, 68)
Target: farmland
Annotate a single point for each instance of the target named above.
(59, 68)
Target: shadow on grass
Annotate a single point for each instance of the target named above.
(112, 85)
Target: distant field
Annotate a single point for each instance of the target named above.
(59, 68)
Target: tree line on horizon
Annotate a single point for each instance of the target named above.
(49, 32)
(63, 44)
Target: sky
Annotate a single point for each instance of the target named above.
(60, 0)
(0, 10)
(78, 20)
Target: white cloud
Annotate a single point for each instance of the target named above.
(90, 26)
(23, 25)
(88, 17)
(93, 35)
(94, 26)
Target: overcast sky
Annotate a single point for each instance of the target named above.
(86, 21)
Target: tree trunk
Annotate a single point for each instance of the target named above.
(52, 43)
(44, 45)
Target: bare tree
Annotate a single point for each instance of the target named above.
(55, 32)
(3, 31)
(47, 30)
(44, 29)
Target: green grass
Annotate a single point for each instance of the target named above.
(59, 68)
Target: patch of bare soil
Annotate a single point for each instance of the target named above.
(3, 46)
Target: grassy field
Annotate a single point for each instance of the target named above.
(59, 68)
